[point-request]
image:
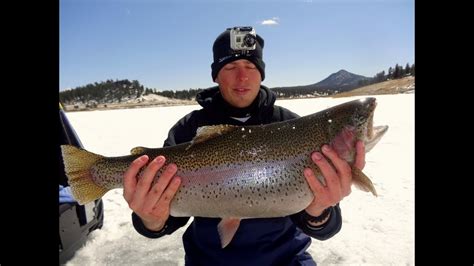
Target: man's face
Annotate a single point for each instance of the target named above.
(239, 82)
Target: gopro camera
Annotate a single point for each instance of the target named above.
(243, 38)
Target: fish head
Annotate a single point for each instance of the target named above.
(363, 121)
(352, 121)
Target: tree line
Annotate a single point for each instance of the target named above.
(395, 73)
(111, 91)
(104, 92)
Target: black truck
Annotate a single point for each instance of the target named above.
(76, 221)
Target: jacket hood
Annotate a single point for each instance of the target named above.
(211, 100)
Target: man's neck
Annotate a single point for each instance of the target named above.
(241, 119)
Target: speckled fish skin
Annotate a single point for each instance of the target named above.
(248, 171)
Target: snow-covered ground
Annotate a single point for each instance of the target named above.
(375, 230)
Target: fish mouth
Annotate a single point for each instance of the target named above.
(361, 127)
(374, 133)
(377, 134)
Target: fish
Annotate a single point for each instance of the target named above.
(240, 172)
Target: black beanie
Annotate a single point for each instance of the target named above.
(223, 54)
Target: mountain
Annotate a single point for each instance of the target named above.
(334, 83)
(341, 79)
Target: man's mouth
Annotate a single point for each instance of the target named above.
(241, 90)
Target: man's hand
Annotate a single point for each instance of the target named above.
(338, 178)
(150, 203)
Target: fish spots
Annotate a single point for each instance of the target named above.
(256, 165)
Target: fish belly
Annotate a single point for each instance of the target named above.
(246, 190)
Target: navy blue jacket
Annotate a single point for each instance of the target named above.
(262, 241)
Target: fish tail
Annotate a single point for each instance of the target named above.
(77, 164)
(362, 182)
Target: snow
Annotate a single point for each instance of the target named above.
(375, 231)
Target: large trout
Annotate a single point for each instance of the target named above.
(240, 171)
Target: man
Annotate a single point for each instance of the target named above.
(239, 99)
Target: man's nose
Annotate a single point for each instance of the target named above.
(242, 74)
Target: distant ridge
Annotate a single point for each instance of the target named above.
(130, 94)
(342, 78)
(340, 81)
(394, 86)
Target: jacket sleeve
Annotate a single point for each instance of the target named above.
(283, 114)
(171, 225)
(326, 231)
(183, 131)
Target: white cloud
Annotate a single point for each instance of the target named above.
(272, 21)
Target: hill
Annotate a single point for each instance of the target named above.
(149, 100)
(130, 94)
(395, 86)
(339, 81)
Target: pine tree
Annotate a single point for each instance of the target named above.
(407, 69)
(396, 72)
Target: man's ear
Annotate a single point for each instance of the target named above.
(216, 80)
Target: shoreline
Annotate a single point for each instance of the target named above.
(116, 106)
(397, 86)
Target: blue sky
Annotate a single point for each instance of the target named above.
(167, 45)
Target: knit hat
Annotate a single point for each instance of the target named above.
(224, 54)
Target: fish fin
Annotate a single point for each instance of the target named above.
(209, 132)
(227, 228)
(77, 164)
(362, 182)
(138, 150)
